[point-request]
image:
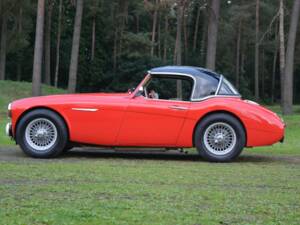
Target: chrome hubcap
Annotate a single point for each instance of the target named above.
(41, 134)
(220, 138)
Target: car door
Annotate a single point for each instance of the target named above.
(156, 121)
(97, 119)
(152, 122)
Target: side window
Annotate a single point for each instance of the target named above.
(224, 90)
(169, 88)
(227, 88)
(206, 85)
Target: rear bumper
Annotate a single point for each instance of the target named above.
(8, 130)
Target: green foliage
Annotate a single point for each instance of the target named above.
(127, 26)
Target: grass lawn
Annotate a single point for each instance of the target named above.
(97, 189)
(262, 187)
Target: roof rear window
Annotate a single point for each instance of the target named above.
(206, 85)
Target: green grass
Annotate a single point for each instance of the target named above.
(120, 190)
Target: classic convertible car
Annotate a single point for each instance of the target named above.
(173, 107)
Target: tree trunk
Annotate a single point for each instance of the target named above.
(154, 28)
(3, 46)
(203, 39)
(274, 67)
(115, 50)
(281, 49)
(185, 35)
(38, 49)
(137, 24)
(263, 74)
(93, 37)
(19, 55)
(238, 54)
(178, 50)
(48, 43)
(213, 22)
(289, 66)
(115, 41)
(58, 43)
(242, 63)
(159, 36)
(75, 47)
(178, 44)
(166, 38)
(256, 75)
(124, 18)
(196, 28)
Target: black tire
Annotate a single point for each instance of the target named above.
(57, 146)
(204, 148)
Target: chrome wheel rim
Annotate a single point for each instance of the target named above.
(41, 134)
(220, 138)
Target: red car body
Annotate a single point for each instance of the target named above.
(130, 120)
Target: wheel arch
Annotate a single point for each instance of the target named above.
(217, 112)
(41, 107)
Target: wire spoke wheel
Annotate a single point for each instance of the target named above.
(220, 138)
(41, 134)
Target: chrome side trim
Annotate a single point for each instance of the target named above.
(85, 109)
(215, 96)
(178, 107)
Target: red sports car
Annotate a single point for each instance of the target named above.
(173, 107)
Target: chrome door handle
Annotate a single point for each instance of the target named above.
(178, 107)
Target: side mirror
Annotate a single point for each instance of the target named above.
(130, 90)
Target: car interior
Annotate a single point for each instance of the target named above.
(168, 88)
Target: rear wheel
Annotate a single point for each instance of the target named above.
(42, 134)
(220, 137)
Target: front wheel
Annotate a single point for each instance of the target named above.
(219, 137)
(42, 133)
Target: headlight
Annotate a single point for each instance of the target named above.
(9, 110)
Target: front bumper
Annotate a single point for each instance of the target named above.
(8, 130)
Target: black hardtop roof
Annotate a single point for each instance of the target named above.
(190, 70)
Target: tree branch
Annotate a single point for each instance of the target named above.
(269, 28)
